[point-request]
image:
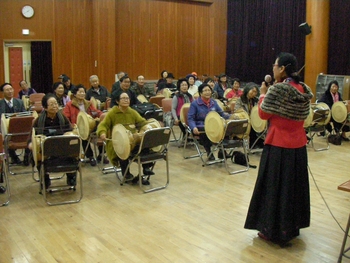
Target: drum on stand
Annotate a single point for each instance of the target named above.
(86, 124)
(308, 120)
(141, 98)
(26, 101)
(36, 146)
(258, 124)
(151, 124)
(242, 115)
(340, 111)
(5, 119)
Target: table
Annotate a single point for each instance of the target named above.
(345, 187)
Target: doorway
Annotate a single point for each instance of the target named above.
(29, 61)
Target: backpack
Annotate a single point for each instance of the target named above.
(144, 107)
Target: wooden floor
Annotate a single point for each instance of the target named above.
(198, 218)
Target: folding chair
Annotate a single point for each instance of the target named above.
(167, 106)
(227, 135)
(4, 181)
(61, 154)
(18, 131)
(156, 100)
(152, 139)
(35, 102)
(319, 117)
(189, 135)
(96, 142)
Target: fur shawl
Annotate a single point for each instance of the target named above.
(286, 101)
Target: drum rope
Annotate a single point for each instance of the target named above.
(324, 200)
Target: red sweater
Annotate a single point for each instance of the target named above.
(283, 132)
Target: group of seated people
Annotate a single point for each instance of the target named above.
(61, 111)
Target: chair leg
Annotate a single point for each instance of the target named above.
(5, 182)
(311, 135)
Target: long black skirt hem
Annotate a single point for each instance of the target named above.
(280, 204)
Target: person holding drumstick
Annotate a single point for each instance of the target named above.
(130, 119)
(71, 111)
(49, 123)
(280, 205)
(246, 102)
(331, 96)
(198, 111)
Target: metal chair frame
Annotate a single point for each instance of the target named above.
(191, 136)
(233, 129)
(60, 148)
(16, 138)
(317, 125)
(151, 138)
(4, 174)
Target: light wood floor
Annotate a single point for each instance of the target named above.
(198, 218)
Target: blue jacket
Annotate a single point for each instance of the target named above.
(199, 110)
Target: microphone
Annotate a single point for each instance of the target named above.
(268, 80)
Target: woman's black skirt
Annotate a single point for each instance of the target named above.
(280, 204)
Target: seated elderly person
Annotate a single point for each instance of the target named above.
(246, 102)
(49, 123)
(180, 98)
(331, 96)
(199, 110)
(97, 91)
(130, 119)
(125, 83)
(71, 111)
(62, 99)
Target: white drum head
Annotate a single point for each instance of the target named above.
(86, 125)
(339, 112)
(258, 124)
(121, 139)
(214, 126)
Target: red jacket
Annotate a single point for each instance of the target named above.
(71, 110)
(283, 132)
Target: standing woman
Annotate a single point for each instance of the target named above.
(58, 89)
(280, 205)
(179, 100)
(72, 109)
(331, 96)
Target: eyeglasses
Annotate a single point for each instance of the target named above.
(274, 65)
(53, 104)
(125, 98)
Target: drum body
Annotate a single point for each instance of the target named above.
(315, 116)
(5, 119)
(340, 111)
(141, 98)
(258, 124)
(86, 124)
(151, 124)
(36, 146)
(123, 141)
(242, 115)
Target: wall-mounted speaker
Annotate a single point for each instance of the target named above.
(305, 28)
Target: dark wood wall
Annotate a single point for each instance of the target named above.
(104, 37)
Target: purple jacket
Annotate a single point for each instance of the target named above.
(199, 110)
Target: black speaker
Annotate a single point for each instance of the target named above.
(305, 28)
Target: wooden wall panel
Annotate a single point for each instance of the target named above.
(136, 36)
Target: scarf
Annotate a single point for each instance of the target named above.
(42, 118)
(206, 101)
(286, 101)
(335, 97)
